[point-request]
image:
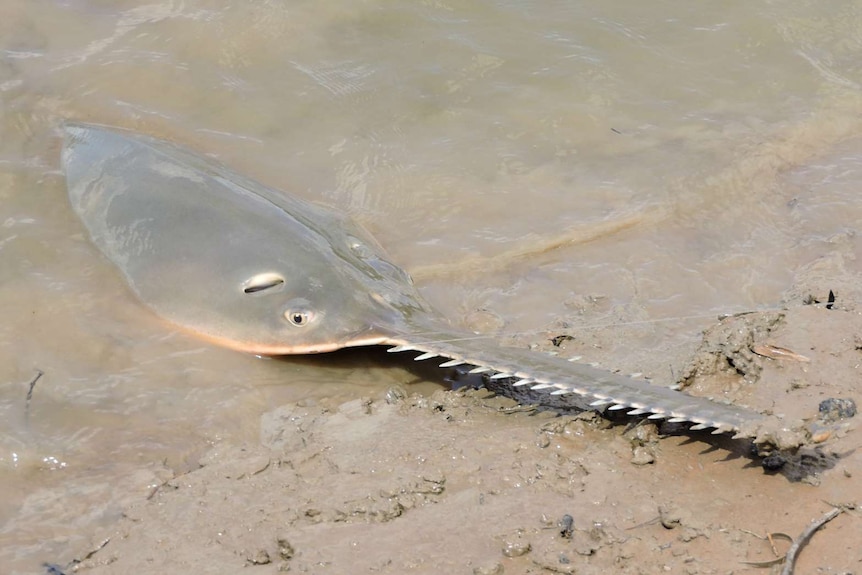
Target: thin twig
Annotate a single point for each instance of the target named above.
(772, 543)
(33, 385)
(770, 538)
(90, 553)
(30, 389)
(652, 521)
(803, 539)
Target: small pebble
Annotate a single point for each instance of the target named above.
(669, 516)
(395, 394)
(259, 557)
(516, 546)
(285, 549)
(821, 436)
(567, 525)
(492, 569)
(643, 455)
(833, 409)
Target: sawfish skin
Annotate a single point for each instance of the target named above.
(257, 270)
(241, 264)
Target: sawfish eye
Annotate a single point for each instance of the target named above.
(299, 318)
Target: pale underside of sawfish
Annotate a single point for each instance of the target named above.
(260, 271)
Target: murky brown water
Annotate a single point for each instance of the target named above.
(679, 160)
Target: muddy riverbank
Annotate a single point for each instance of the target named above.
(466, 482)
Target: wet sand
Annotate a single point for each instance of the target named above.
(468, 482)
(616, 173)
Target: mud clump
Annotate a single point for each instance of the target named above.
(643, 439)
(727, 348)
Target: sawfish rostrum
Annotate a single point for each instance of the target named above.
(257, 270)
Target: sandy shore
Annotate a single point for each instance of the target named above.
(466, 482)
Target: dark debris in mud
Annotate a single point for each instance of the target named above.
(835, 409)
(558, 340)
(72, 566)
(804, 465)
(811, 299)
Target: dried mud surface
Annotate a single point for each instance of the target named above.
(467, 482)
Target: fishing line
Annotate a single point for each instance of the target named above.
(621, 324)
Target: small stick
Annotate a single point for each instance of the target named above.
(33, 384)
(770, 537)
(772, 543)
(30, 396)
(652, 521)
(803, 539)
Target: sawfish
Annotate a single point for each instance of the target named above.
(255, 269)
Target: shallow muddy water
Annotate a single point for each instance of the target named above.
(673, 160)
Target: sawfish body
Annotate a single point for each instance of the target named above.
(257, 270)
